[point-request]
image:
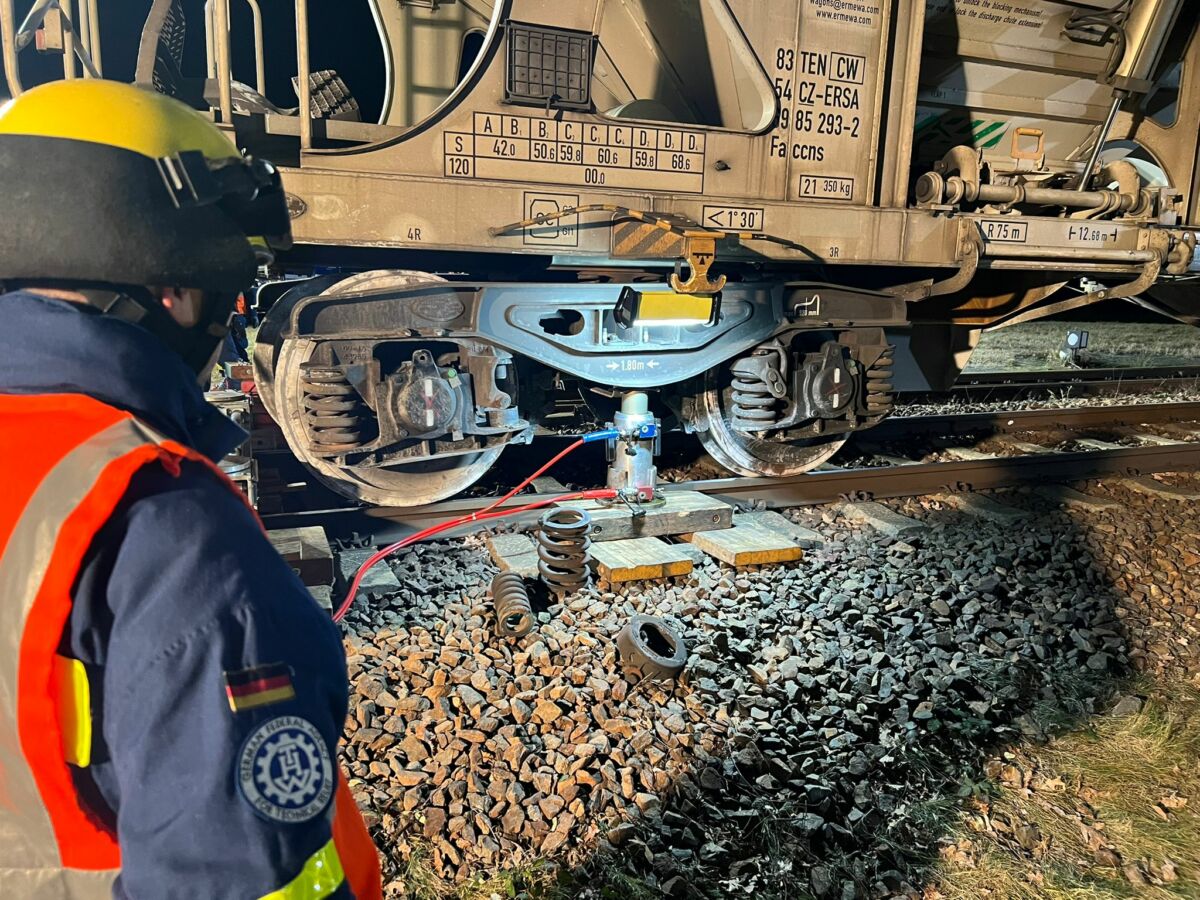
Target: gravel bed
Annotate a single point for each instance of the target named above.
(828, 711)
(958, 404)
(1035, 345)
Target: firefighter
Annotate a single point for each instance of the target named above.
(170, 695)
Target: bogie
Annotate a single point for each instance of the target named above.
(389, 378)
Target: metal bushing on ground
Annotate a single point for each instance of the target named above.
(651, 647)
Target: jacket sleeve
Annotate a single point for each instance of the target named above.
(224, 698)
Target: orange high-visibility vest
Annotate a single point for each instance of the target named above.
(70, 460)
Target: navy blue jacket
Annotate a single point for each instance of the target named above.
(180, 592)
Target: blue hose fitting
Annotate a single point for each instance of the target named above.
(608, 434)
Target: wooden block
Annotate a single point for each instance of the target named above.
(1093, 444)
(801, 536)
(983, 506)
(1148, 485)
(1068, 496)
(267, 439)
(323, 594)
(548, 484)
(747, 544)
(380, 579)
(239, 371)
(1156, 439)
(1024, 446)
(967, 454)
(895, 460)
(680, 513)
(307, 551)
(514, 553)
(636, 559)
(882, 518)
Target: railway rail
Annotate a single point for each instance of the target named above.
(1008, 421)
(1156, 435)
(1068, 382)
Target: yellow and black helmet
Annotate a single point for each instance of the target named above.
(111, 189)
(105, 182)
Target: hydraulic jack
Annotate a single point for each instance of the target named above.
(634, 442)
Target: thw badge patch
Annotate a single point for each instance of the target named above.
(260, 686)
(284, 770)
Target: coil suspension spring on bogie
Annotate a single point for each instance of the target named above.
(758, 386)
(514, 614)
(879, 383)
(333, 409)
(562, 548)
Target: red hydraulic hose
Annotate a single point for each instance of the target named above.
(520, 487)
(488, 512)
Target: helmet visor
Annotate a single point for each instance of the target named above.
(247, 189)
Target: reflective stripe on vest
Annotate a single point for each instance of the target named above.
(321, 876)
(55, 501)
(74, 698)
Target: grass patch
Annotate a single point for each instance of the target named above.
(1110, 810)
(414, 879)
(535, 882)
(993, 875)
(418, 879)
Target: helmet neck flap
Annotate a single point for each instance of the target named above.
(195, 344)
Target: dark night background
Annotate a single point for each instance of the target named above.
(342, 37)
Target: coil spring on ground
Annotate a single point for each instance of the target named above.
(563, 542)
(755, 408)
(879, 383)
(514, 615)
(333, 409)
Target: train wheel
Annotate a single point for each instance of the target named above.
(269, 339)
(411, 484)
(745, 454)
(415, 484)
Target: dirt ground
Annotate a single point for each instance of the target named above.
(1035, 345)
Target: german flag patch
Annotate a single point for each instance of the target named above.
(260, 686)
